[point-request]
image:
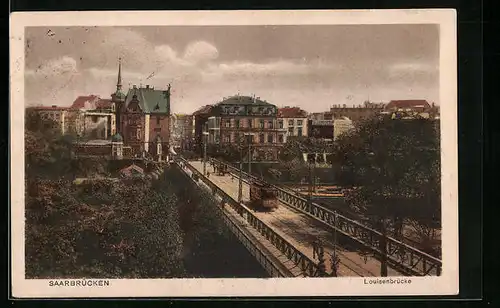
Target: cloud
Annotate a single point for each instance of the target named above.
(278, 69)
(412, 67)
(55, 67)
(200, 51)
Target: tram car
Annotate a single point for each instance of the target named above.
(263, 196)
(220, 169)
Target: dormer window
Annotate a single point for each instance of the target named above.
(157, 107)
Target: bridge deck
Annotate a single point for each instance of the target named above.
(255, 235)
(302, 230)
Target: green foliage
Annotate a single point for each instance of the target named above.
(102, 228)
(392, 171)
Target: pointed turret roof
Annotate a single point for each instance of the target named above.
(119, 95)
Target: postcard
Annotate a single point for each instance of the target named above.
(234, 153)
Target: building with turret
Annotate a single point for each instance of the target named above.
(143, 118)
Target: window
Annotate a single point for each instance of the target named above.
(280, 138)
(270, 138)
(290, 122)
(227, 139)
(138, 133)
(299, 122)
(270, 124)
(158, 120)
(261, 138)
(237, 123)
(227, 123)
(94, 119)
(261, 124)
(280, 123)
(299, 131)
(249, 123)
(290, 130)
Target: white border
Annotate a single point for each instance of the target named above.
(447, 284)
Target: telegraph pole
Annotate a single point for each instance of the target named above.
(205, 134)
(249, 158)
(240, 184)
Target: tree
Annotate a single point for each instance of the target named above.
(391, 169)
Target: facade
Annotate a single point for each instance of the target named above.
(182, 131)
(239, 118)
(293, 121)
(54, 113)
(76, 114)
(141, 117)
(92, 117)
(321, 129)
(357, 113)
(200, 119)
(341, 126)
(145, 121)
(321, 116)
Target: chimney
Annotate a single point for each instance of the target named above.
(135, 86)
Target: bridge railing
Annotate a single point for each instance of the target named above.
(401, 256)
(307, 266)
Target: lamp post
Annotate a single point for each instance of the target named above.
(309, 188)
(240, 182)
(205, 134)
(248, 135)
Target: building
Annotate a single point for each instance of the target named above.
(321, 129)
(408, 109)
(408, 105)
(341, 126)
(145, 121)
(327, 115)
(199, 118)
(141, 117)
(54, 113)
(92, 117)
(357, 113)
(110, 149)
(293, 121)
(239, 117)
(182, 131)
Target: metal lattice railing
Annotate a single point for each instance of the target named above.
(400, 256)
(307, 266)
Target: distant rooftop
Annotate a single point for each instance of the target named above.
(243, 100)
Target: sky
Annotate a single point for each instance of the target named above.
(312, 67)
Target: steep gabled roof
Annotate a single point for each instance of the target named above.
(408, 103)
(150, 100)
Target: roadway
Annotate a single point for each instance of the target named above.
(302, 231)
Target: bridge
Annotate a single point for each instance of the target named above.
(285, 241)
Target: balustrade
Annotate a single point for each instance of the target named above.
(405, 258)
